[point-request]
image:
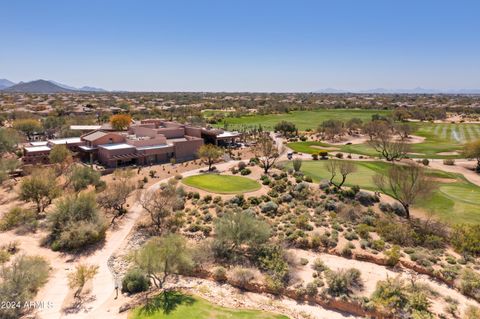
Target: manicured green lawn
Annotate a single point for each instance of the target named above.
(455, 200)
(302, 119)
(439, 138)
(222, 184)
(179, 306)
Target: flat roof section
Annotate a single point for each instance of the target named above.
(179, 139)
(87, 148)
(153, 147)
(32, 149)
(41, 143)
(117, 146)
(226, 134)
(70, 140)
(84, 127)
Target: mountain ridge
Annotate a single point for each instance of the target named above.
(44, 86)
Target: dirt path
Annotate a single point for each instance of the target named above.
(103, 284)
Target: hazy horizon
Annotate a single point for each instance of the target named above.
(218, 46)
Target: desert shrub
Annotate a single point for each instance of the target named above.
(241, 277)
(135, 281)
(449, 162)
(346, 251)
(393, 255)
(319, 266)
(471, 313)
(242, 165)
(395, 232)
(207, 198)
(286, 198)
(311, 289)
(303, 222)
(363, 230)
(398, 209)
(470, 283)
(385, 207)
(331, 205)
(76, 223)
(342, 282)
(269, 208)
(18, 216)
(19, 282)
(273, 260)
(245, 171)
(324, 184)
(297, 164)
(390, 296)
(219, 273)
(366, 198)
(237, 230)
(378, 244)
(82, 176)
(351, 236)
(466, 239)
(238, 200)
(425, 161)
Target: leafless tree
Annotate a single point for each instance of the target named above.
(343, 168)
(160, 204)
(267, 152)
(406, 183)
(388, 148)
(115, 197)
(403, 130)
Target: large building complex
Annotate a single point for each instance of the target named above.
(144, 143)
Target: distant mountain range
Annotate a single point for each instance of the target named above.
(4, 83)
(417, 90)
(43, 86)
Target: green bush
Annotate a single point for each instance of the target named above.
(449, 162)
(18, 216)
(319, 266)
(76, 223)
(245, 171)
(135, 281)
(393, 255)
(342, 282)
(219, 273)
(466, 239)
(241, 277)
(311, 289)
(470, 283)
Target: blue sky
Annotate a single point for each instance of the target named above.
(242, 45)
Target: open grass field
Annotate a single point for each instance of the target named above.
(179, 306)
(302, 119)
(455, 201)
(222, 184)
(440, 139)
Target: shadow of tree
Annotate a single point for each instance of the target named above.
(167, 301)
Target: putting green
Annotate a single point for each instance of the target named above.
(222, 184)
(455, 201)
(179, 306)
